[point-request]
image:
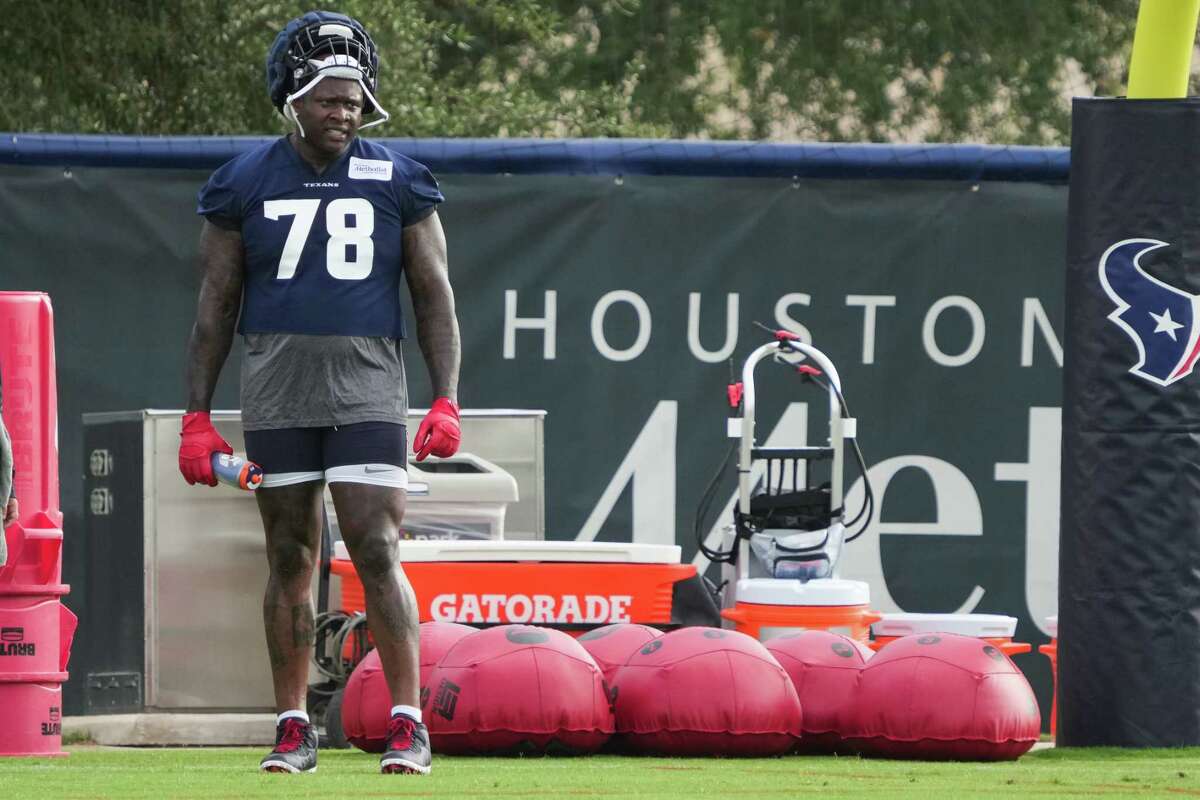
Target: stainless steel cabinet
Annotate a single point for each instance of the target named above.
(176, 573)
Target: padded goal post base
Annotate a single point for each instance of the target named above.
(1129, 566)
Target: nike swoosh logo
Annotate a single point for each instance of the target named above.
(372, 470)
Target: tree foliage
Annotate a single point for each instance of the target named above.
(827, 70)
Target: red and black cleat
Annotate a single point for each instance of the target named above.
(295, 748)
(407, 748)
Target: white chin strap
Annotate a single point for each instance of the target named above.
(335, 67)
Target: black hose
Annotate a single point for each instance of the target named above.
(717, 556)
(868, 506)
(335, 628)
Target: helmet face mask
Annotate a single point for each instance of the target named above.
(334, 49)
(322, 44)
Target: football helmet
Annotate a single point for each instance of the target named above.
(318, 45)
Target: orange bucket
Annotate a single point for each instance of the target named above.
(996, 629)
(769, 607)
(1003, 644)
(1051, 652)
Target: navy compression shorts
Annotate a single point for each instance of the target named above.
(367, 452)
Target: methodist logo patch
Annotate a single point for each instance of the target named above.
(1160, 319)
(370, 169)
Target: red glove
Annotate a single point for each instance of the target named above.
(439, 433)
(199, 441)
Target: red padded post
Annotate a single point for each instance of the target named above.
(31, 397)
(37, 629)
(31, 416)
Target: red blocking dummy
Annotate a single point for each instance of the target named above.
(706, 691)
(825, 668)
(31, 417)
(367, 704)
(612, 645)
(517, 689)
(943, 697)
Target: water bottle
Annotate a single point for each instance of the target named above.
(237, 472)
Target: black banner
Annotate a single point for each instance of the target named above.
(616, 302)
(1129, 658)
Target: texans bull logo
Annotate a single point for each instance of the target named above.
(1161, 320)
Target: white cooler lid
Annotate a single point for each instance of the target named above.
(791, 592)
(503, 550)
(1052, 626)
(994, 626)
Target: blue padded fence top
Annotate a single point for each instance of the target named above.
(968, 162)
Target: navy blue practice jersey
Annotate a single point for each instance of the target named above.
(323, 252)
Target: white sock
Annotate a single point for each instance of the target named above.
(409, 711)
(295, 713)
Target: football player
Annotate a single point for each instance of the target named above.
(304, 245)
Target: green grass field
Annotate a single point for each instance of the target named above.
(215, 773)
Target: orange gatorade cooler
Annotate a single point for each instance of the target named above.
(995, 628)
(1051, 651)
(770, 607)
(574, 585)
